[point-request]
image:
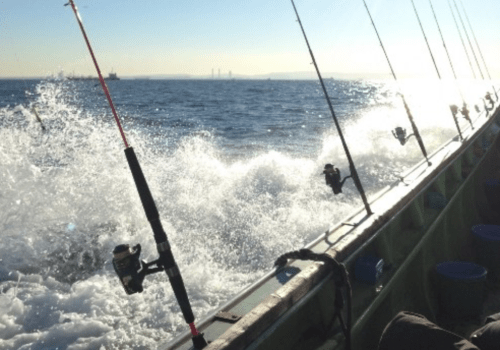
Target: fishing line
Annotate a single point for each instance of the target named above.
(478, 48)
(354, 173)
(439, 75)
(408, 112)
(462, 40)
(130, 269)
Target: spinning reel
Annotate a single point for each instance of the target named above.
(130, 269)
(400, 134)
(333, 176)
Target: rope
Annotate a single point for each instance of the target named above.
(341, 280)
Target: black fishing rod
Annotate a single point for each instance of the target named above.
(468, 39)
(447, 52)
(454, 109)
(354, 173)
(471, 47)
(462, 40)
(35, 112)
(465, 111)
(130, 269)
(478, 48)
(399, 131)
(426, 41)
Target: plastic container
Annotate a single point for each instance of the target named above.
(487, 239)
(461, 289)
(368, 269)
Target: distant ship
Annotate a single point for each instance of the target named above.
(111, 76)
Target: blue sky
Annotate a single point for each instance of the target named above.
(153, 37)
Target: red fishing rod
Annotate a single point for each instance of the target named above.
(126, 262)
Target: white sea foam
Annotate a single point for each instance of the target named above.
(67, 198)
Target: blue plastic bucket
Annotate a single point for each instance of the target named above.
(461, 288)
(490, 233)
(488, 248)
(462, 271)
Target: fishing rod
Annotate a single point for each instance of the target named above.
(354, 173)
(453, 111)
(38, 118)
(130, 269)
(478, 48)
(462, 40)
(471, 47)
(447, 53)
(468, 39)
(400, 133)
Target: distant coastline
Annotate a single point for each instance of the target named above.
(270, 76)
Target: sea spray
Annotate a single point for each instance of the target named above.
(220, 178)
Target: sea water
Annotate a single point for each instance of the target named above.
(234, 167)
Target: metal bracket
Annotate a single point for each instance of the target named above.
(349, 224)
(227, 317)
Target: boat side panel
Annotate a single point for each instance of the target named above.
(411, 247)
(413, 286)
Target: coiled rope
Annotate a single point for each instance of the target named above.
(341, 280)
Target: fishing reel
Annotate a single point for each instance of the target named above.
(465, 111)
(400, 134)
(454, 109)
(332, 177)
(130, 269)
(489, 99)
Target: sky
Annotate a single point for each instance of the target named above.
(249, 38)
